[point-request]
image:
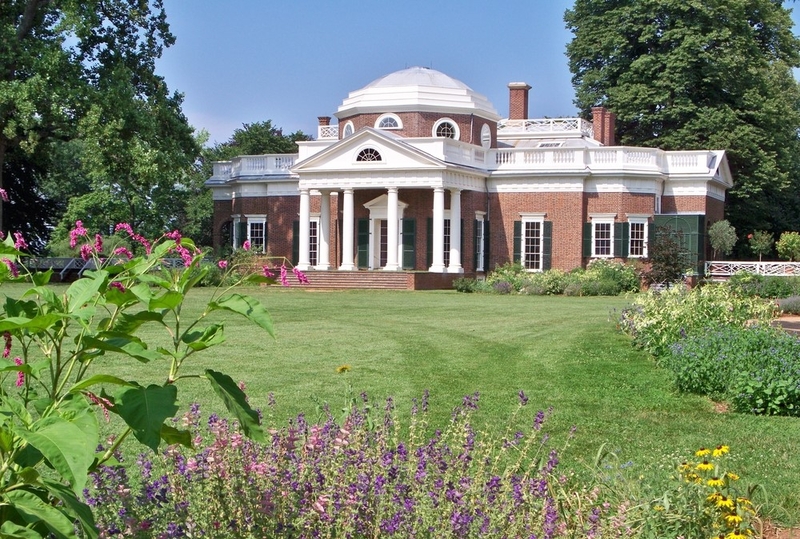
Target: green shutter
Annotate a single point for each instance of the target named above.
(429, 244)
(587, 240)
(486, 257)
(266, 237)
(651, 236)
(295, 242)
(409, 243)
(621, 232)
(517, 242)
(363, 243)
(241, 233)
(547, 245)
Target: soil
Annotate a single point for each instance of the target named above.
(773, 532)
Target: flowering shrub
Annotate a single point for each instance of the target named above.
(349, 479)
(765, 286)
(656, 320)
(57, 370)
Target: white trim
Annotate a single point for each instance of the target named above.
(348, 124)
(531, 217)
(257, 219)
(603, 219)
(634, 219)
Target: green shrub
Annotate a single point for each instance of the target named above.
(769, 286)
(656, 320)
(513, 274)
(788, 246)
(465, 284)
(790, 305)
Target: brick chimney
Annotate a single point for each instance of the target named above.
(518, 100)
(604, 123)
(324, 120)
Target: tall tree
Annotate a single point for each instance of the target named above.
(695, 74)
(85, 70)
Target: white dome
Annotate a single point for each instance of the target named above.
(417, 89)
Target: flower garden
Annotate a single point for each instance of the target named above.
(510, 416)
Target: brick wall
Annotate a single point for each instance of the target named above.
(420, 124)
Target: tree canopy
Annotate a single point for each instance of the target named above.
(700, 74)
(80, 100)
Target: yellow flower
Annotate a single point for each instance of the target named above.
(732, 476)
(720, 450)
(713, 497)
(733, 520)
(658, 508)
(716, 482)
(341, 369)
(702, 452)
(724, 502)
(705, 466)
(736, 534)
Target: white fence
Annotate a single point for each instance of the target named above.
(716, 269)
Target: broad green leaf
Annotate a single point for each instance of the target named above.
(122, 343)
(142, 291)
(17, 407)
(145, 409)
(172, 436)
(23, 308)
(8, 250)
(84, 314)
(236, 402)
(6, 437)
(35, 324)
(33, 509)
(129, 323)
(99, 379)
(11, 530)
(116, 297)
(247, 307)
(168, 300)
(84, 289)
(65, 446)
(154, 280)
(188, 279)
(260, 279)
(76, 507)
(29, 475)
(78, 410)
(200, 340)
(41, 278)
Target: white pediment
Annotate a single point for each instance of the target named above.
(343, 156)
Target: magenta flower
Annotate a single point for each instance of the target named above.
(7, 347)
(246, 245)
(174, 235)
(300, 276)
(75, 233)
(136, 237)
(118, 285)
(222, 264)
(267, 272)
(11, 267)
(123, 251)
(86, 251)
(4, 195)
(284, 280)
(20, 374)
(19, 241)
(98, 243)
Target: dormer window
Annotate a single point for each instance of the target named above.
(446, 128)
(389, 121)
(368, 154)
(348, 129)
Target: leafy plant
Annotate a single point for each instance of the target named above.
(667, 256)
(788, 246)
(722, 237)
(761, 242)
(58, 370)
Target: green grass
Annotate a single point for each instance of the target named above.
(565, 353)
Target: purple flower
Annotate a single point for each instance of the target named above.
(123, 251)
(3, 195)
(222, 264)
(19, 241)
(284, 280)
(12, 267)
(523, 398)
(117, 285)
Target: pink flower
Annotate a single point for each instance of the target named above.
(124, 252)
(246, 245)
(86, 251)
(267, 272)
(102, 402)
(7, 347)
(4, 195)
(175, 236)
(75, 233)
(20, 374)
(11, 267)
(284, 280)
(136, 237)
(19, 241)
(98, 243)
(749, 236)
(222, 264)
(300, 276)
(118, 285)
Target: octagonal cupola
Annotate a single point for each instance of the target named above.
(417, 102)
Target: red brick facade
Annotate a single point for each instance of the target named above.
(420, 124)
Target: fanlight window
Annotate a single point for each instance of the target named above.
(446, 129)
(387, 123)
(368, 154)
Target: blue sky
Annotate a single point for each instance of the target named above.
(245, 61)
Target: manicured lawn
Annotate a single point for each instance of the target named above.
(562, 352)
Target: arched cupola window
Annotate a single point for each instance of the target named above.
(389, 121)
(446, 128)
(349, 129)
(368, 154)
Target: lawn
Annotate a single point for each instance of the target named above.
(564, 353)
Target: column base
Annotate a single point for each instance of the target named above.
(322, 267)
(347, 267)
(455, 269)
(437, 269)
(303, 267)
(393, 267)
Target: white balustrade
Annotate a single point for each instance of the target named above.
(547, 126)
(327, 131)
(717, 269)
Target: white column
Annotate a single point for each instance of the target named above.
(392, 232)
(303, 262)
(324, 253)
(438, 231)
(455, 232)
(348, 220)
